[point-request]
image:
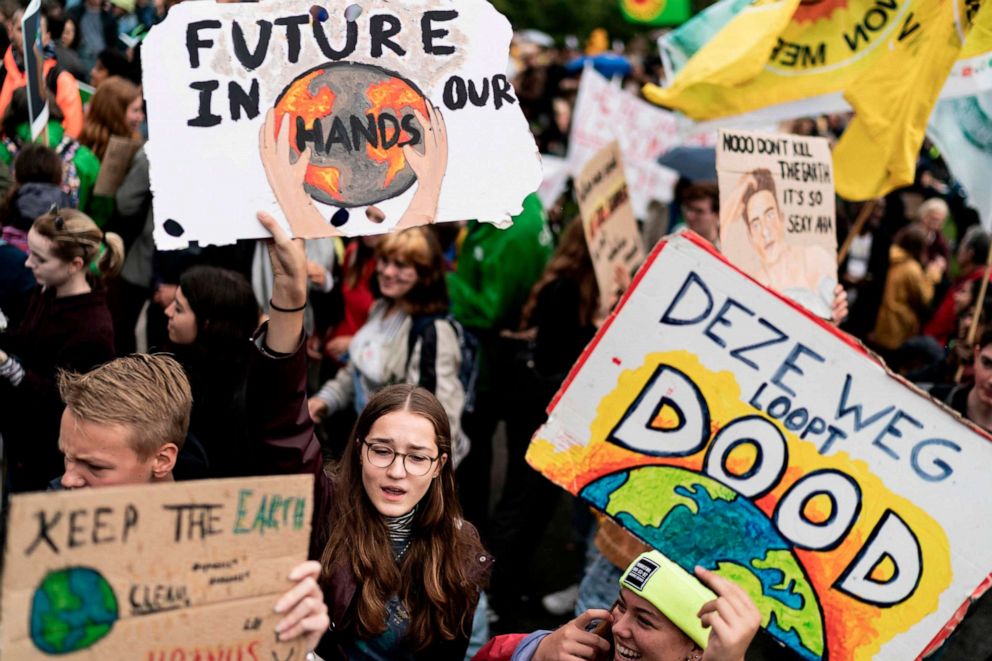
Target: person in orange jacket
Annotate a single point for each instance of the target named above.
(60, 83)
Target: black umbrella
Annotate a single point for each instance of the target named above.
(693, 163)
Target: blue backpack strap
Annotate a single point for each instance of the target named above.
(422, 328)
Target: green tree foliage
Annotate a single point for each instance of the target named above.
(561, 18)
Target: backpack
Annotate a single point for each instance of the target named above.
(422, 327)
(66, 150)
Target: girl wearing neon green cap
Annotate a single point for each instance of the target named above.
(662, 614)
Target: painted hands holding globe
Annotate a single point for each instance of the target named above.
(286, 180)
(303, 216)
(429, 168)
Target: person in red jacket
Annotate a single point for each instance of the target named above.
(661, 614)
(60, 83)
(972, 255)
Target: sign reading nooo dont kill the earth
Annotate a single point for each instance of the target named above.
(169, 572)
(777, 213)
(402, 106)
(729, 428)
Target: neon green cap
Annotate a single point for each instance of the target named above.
(672, 590)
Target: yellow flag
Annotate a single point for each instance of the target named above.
(893, 100)
(889, 59)
(732, 57)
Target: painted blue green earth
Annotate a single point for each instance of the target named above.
(695, 520)
(71, 610)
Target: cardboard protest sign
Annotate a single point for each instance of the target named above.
(777, 212)
(728, 428)
(115, 164)
(608, 220)
(405, 106)
(171, 572)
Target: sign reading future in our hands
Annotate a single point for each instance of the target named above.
(362, 85)
(728, 428)
(166, 572)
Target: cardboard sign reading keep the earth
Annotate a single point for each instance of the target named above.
(404, 106)
(171, 572)
(608, 220)
(777, 213)
(728, 428)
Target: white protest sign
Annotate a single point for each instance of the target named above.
(727, 427)
(777, 213)
(404, 106)
(604, 113)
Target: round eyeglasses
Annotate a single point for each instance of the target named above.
(381, 455)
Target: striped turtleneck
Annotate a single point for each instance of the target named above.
(400, 529)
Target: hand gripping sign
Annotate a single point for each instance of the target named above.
(331, 109)
(729, 428)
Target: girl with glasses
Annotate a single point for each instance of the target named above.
(401, 570)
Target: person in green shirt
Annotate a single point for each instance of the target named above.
(495, 272)
(82, 165)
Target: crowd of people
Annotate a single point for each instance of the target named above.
(385, 365)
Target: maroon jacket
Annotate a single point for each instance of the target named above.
(277, 408)
(73, 333)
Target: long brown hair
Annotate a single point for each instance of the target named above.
(570, 260)
(432, 578)
(107, 114)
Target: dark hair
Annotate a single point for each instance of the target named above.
(17, 112)
(704, 190)
(117, 64)
(432, 578)
(8, 8)
(225, 308)
(572, 260)
(36, 163)
(420, 247)
(763, 181)
(913, 240)
(977, 241)
(33, 164)
(56, 23)
(985, 339)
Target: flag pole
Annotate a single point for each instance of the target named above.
(863, 216)
(977, 313)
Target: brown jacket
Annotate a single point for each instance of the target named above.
(908, 292)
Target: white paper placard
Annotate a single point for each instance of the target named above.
(359, 71)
